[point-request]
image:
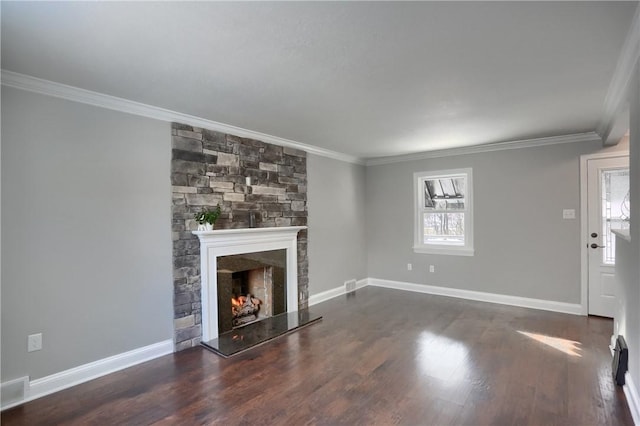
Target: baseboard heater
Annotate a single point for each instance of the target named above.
(620, 361)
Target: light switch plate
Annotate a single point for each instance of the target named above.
(569, 214)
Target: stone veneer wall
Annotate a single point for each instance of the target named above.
(208, 168)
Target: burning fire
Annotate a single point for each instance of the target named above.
(244, 305)
(238, 301)
(244, 309)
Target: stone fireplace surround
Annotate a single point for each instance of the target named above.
(210, 168)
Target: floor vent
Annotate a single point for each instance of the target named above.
(350, 286)
(14, 391)
(620, 361)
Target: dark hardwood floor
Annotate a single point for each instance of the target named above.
(378, 357)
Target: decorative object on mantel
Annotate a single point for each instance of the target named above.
(207, 218)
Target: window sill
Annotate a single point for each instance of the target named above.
(450, 251)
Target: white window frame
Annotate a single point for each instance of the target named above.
(434, 248)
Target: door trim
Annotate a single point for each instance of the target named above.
(584, 224)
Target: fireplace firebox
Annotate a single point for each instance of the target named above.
(251, 287)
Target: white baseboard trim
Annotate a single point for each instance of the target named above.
(631, 392)
(314, 299)
(74, 376)
(525, 302)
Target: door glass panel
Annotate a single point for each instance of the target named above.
(614, 186)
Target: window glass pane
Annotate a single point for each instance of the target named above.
(447, 187)
(615, 209)
(444, 228)
(452, 204)
(444, 193)
(459, 186)
(429, 193)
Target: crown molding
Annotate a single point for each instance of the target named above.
(63, 91)
(499, 146)
(616, 101)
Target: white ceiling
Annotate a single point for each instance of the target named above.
(365, 79)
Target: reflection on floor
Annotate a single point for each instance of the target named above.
(569, 347)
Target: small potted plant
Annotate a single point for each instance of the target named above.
(206, 218)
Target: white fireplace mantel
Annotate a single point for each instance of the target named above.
(221, 237)
(225, 242)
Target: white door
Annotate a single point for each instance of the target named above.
(607, 209)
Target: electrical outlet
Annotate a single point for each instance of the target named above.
(569, 214)
(34, 342)
(432, 268)
(409, 267)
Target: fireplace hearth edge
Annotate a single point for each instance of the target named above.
(242, 339)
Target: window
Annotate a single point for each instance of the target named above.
(444, 207)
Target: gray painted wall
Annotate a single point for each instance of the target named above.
(336, 200)
(523, 247)
(86, 233)
(628, 253)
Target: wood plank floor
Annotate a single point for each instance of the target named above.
(378, 357)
